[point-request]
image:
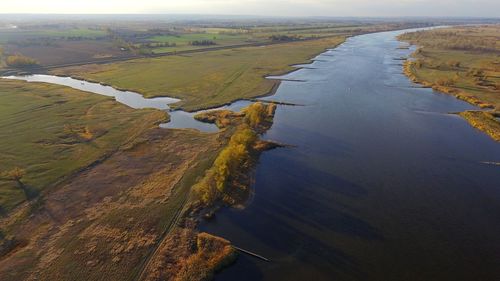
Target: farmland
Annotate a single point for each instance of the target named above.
(63, 42)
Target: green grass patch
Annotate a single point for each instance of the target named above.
(52, 131)
(207, 79)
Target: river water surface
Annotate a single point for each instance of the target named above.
(383, 183)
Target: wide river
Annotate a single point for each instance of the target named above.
(382, 182)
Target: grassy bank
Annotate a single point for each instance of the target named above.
(460, 61)
(185, 254)
(484, 121)
(51, 132)
(127, 214)
(205, 80)
(103, 220)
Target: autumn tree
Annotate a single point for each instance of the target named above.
(20, 61)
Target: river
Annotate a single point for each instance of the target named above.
(382, 183)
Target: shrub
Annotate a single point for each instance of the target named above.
(445, 82)
(202, 43)
(20, 61)
(258, 113)
(15, 174)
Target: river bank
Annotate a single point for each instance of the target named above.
(97, 202)
(468, 75)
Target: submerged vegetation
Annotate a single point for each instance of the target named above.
(463, 62)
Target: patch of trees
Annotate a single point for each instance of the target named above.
(157, 45)
(234, 33)
(284, 38)
(257, 114)
(202, 43)
(161, 32)
(51, 41)
(121, 43)
(233, 159)
(20, 61)
(469, 40)
(224, 178)
(34, 42)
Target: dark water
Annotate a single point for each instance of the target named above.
(383, 184)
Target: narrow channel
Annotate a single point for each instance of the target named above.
(178, 119)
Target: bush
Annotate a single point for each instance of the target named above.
(15, 174)
(258, 113)
(445, 82)
(20, 61)
(202, 43)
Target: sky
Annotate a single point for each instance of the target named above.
(375, 8)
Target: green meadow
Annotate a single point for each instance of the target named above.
(52, 131)
(208, 79)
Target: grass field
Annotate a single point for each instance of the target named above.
(183, 41)
(53, 131)
(101, 221)
(461, 61)
(206, 79)
(105, 220)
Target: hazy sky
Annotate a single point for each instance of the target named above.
(476, 8)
